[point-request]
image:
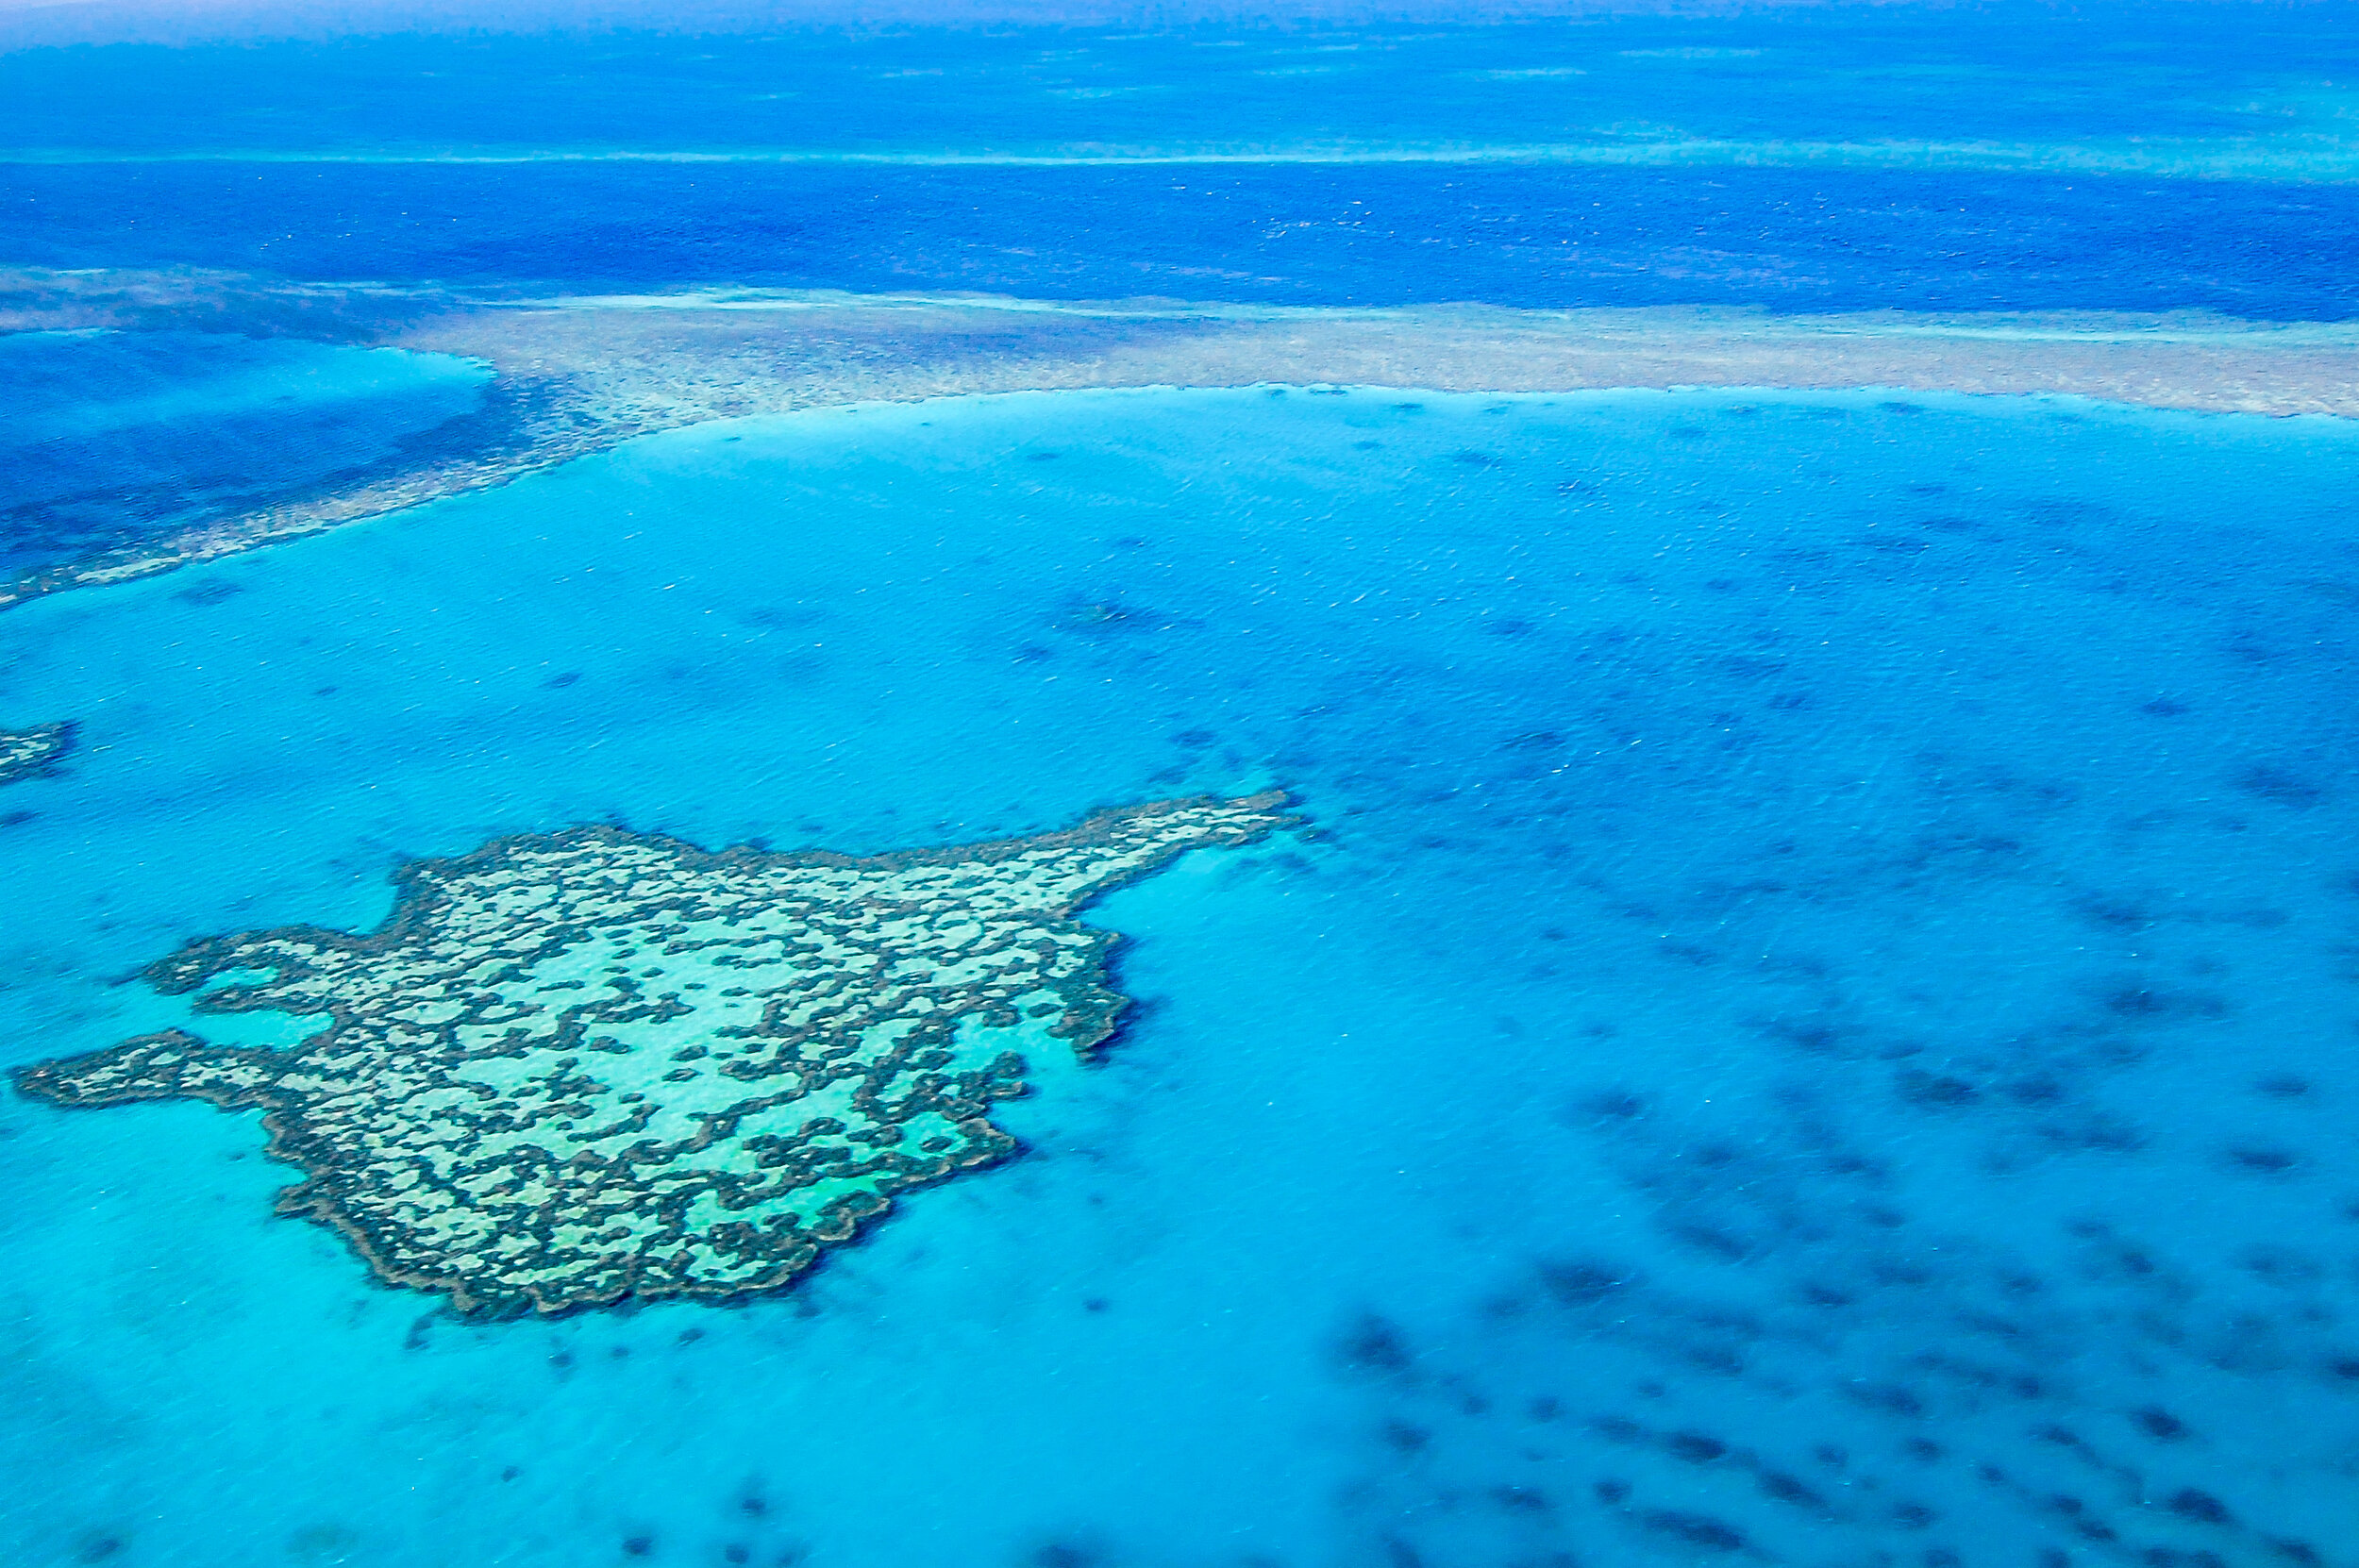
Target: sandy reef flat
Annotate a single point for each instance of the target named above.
(596, 1065)
(579, 375)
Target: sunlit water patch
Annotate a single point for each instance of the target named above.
(1815, 1023)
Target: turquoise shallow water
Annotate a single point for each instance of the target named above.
(1815, 1027)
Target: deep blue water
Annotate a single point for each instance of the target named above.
(1818, 1015)
(2107, 76)
(2002, 157)
(1544, 236)
(108, 437)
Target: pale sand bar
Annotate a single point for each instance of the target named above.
(578, 375)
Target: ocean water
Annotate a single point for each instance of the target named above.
(1813, 1023)
(2001, 157)
(110, 438)
(1534, 236)
(2260, 89)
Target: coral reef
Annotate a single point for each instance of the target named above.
(31, 753)
(580, 1067)
(579, 375)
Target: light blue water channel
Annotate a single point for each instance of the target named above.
(1816, 1023)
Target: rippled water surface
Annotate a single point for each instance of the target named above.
(1966, 157)
(1814, 1026)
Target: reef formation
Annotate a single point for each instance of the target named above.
(35, 752)
(579, 375)
(584, 1066)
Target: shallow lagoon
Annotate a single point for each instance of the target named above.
(1818, 1012)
